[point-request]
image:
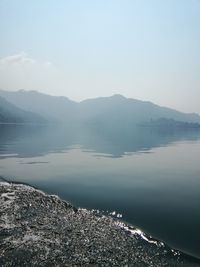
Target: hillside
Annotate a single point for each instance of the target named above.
(113, 110)
(120, 110)
(9, 113)
(50, 107)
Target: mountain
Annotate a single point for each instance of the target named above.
(115, 110)
(170, 123)
(9, 113)
(119, 110)
(50, 107)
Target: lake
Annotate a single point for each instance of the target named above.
(149, 175)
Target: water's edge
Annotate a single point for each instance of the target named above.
(40, 229)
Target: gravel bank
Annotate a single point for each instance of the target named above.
(37, 229)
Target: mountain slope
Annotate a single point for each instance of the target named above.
(114, 110)
(9, 113)
(50, 107)
(120, 109)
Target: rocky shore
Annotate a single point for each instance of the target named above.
(37, 229)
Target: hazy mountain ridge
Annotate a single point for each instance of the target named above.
(113, 110)
(52, 108)
(171, 123)
(9, 113)
(118, 109)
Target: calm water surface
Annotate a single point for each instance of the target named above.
(150, 176)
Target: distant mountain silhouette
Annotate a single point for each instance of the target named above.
(50, 107)
(120, 110)
(114, 111)
(170, 123)
(9, 113)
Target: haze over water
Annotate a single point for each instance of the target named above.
(75, 79)
(149, 175)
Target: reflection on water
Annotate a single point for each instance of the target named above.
(32, 140)
(150, 175)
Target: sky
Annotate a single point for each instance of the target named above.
(143, 49)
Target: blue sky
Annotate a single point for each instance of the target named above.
(145, 49)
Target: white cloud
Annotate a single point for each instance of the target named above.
(21, 71)
(21, 58)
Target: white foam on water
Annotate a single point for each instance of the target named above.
(138, 232)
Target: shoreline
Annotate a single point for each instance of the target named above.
(37, 229)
